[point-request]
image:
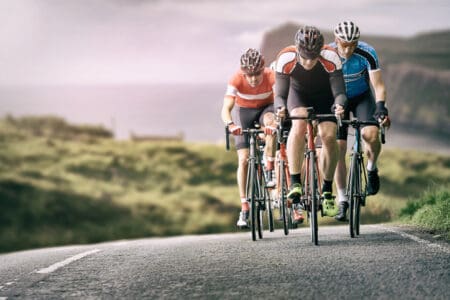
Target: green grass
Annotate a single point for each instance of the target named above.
(431, 211)
(80, 186)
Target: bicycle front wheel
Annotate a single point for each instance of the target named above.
(359, 195)
(313, 198)
(283, 203)
(353, 196)
(251, 195)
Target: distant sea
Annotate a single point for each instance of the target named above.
(193, 110)
(165, 110)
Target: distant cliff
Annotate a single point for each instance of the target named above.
(416, 72)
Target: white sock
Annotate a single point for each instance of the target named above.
(371, 165)
(243, 200)
(342, 195)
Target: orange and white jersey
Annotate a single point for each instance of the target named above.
(252, 97)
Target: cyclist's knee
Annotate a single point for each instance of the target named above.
(328, 138)
(370, 134)
(269, 119)
(298, 129)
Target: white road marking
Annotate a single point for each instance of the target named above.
(418, 240)
(65, 262)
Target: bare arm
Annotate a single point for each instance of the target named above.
(380, 95)
(378, 85)
(228, 104)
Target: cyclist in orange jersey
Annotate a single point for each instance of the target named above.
(310, 75)
(249, 99)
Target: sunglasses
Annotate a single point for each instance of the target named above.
(347, 44)
(308, 56)
(253, 74)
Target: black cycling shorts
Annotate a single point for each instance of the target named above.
(321, 103)
(246, 118)
(362, 107)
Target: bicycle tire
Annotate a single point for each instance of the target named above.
(260, 199)
(259, 221)
(352, 194)
(283, 191)
(270, 212)
(359, 195)
(267, 203)
(314, 199)
(252, 197)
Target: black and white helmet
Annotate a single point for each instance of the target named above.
(252, 61)
(309, 42)
(347, 31)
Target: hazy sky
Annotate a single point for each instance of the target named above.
(145, 41)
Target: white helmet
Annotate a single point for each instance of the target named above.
(347, 31)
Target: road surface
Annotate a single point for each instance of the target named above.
(383, 263)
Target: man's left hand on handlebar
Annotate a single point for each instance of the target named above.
(382, 115)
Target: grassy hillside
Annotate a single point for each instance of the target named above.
(80, 186)
(431, 211)
(416, 72)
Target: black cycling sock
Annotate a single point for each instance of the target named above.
(327, 186)
(295, 178)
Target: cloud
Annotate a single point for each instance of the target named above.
(92, 41)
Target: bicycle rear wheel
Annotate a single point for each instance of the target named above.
(267, 204)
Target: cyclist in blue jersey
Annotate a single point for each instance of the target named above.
(361, 69)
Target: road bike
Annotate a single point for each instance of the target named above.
(357, 176)
(311, 198)
(257, 193)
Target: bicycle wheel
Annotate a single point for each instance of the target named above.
(283, 203)
(259, 221)
(314, 198)
(358, 197)
(251, 194)
(269, 212)
(352, 194)
(268, 204)
(261, 202)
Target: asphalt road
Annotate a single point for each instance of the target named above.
(383, 263)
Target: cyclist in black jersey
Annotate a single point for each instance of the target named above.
(309, 74)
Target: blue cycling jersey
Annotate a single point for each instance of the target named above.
(356, 68)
